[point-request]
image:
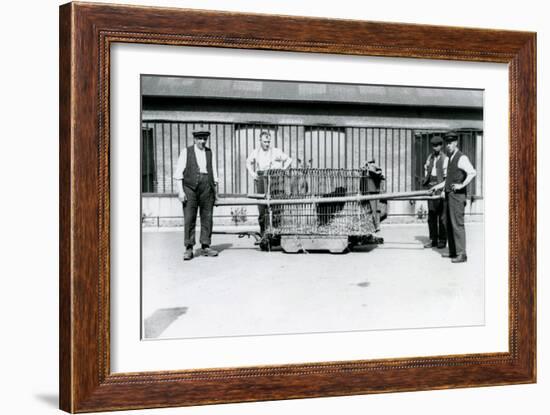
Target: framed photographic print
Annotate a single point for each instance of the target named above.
(259, 207)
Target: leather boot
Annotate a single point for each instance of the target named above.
(459, 258)
(188, 254)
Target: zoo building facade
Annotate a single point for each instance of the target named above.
(338, 126)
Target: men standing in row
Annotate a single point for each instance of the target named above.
(460, 173)
(196, 179)
(262, 158)
(435, 171)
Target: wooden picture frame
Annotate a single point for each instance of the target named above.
(86, 33)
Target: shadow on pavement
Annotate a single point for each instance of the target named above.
(159, 321)
(424, 240)
(364, 248)
(221, 247)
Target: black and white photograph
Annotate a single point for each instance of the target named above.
(273, 207)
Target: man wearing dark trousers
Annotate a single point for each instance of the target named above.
(435, 171)
(460, 173)
(196, 180)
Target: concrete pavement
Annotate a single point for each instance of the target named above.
(245, 291)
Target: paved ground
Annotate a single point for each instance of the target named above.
(248, 292)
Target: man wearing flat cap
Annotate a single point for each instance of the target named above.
(196, 178)
(460, 173)
(435, 171)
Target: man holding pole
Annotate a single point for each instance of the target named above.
(435, 171)
(460, 173)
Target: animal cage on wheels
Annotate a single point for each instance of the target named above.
(322, 209)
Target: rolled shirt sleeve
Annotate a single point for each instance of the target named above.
(464, 164)
(180, 165)
(280, 159)
(251, 160)
(214, 168)
(284, 157)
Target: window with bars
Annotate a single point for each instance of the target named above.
(400, 152)
(148, 170)
(470, 142)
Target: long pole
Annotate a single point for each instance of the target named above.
(356, 198)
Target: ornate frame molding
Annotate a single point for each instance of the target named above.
(86, 34)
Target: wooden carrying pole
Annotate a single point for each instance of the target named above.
(317, 200)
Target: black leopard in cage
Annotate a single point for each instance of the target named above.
(327, 211)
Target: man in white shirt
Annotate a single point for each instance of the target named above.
(265, 157)
(460, 173)
(435, 171)
(196, 179)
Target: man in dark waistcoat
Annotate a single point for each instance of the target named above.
(460, 173)
(435, 171)
(196, 180)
